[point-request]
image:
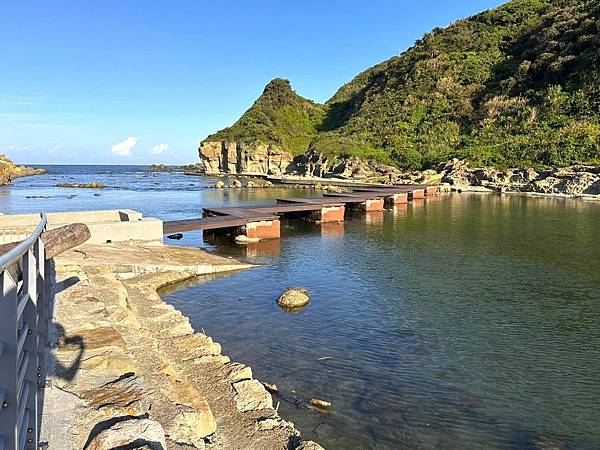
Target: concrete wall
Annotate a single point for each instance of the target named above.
(105, 226)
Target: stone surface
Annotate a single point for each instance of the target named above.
(309, 445)
(119, 351)
(293, 298)
(224, 157)
(129, 432)
(251, 395)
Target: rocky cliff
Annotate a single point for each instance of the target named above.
(220, 157)
(9, 171)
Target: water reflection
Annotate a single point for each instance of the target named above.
(332, 229)
(469, 321)
(374, 217)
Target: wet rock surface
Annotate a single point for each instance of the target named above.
(293, 298)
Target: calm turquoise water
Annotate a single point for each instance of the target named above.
(462, 322)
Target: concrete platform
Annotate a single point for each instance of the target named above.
(106, 226)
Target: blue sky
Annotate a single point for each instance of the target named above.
(131, 81)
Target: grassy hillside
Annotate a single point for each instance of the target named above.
(516, 85)
(279, 116)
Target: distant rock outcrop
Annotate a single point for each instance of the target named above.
(9, 171)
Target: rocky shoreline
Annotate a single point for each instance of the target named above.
(235, 159)
(10, 171)
(128, 370)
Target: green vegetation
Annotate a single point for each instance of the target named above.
(279, 116)
(517, 85)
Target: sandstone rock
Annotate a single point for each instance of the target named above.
(268, 424)
(251, 395)
(309, 445)
(243, 239)
(293, 298)
(323, 404)
(190, 428)
(250, 184)
(122, 397)
(168, 370)
(9, 171)
(272, 388)
(128, 433)
(236, 183)
(193, 419)
(238, 372)
(531, 174)
(93, 185)
(240, 157)
(219, 184)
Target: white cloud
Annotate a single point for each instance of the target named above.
(123, 148)
(159, 148)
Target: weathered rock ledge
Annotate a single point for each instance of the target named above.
(575, 181)
(9, 171)
(126, 366)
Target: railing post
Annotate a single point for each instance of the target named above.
(8, 361)
(23, 328)
(40, 256)
(27, 397)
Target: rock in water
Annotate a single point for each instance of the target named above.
(219, 184)
(124, 434)
(293, 298)
(243, 239)
(309, 445)
(272, 388)
(175, 236)
(237, 184)
(320, 403)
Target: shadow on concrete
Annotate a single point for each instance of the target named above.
(56, 336)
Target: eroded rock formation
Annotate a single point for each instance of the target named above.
(222, 157)
(9, 171)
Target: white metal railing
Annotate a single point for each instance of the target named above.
(23, 335)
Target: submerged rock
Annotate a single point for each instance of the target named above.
(243, 239)
(293, 298)
(93, 185)
(309, 445)
(175, 236)
(322, 404)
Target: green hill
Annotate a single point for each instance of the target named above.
(279, 116)
(517, 85)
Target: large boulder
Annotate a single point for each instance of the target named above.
(251, 395)
(132, 433)
(293, 298)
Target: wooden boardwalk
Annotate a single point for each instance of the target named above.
(329, 208)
